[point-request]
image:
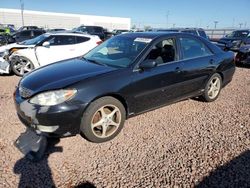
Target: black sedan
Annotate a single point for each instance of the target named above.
(125, 76)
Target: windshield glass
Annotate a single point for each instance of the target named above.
(238, 34)
(35, 40)
(119, 51)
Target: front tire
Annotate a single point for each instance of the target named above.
(21, 65)
(213, 88)
(103, 120)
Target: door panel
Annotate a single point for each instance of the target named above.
(61, 47)
(198, 64)
(154, 87)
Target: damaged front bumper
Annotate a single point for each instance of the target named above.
(59, 121)
(4, 66)
(33, 146)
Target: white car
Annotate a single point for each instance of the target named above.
(7, 50)
(52, 48)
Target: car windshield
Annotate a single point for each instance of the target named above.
(35, 40)
(238, 34)
(119, 51)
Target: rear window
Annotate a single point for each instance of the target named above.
(81, 39)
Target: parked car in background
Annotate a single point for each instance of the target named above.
(92, 30)
(7, 50)
(120, 31)
(243, 55)
(23, 28)
(49, 48)
(56, 30)
(195, 31)
(125, 76)
(235, 40)
(25, 35)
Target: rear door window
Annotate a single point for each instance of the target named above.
(192, 48)
(62, 40)
(202, 33)
(81, 39)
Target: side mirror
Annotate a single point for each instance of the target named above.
(46, 44)
(147, 64)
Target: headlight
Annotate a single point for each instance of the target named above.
(51, 98)
(236, 42)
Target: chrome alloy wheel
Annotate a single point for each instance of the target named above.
(214, 88)
(105, 121)
(22, 66)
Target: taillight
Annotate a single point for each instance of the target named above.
(98, 42)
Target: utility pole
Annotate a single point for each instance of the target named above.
(167, 15)
(240, 24)
(22, 7)
(215, 24)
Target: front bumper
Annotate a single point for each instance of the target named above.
(4, 66)
(243, 58)
(51, 121)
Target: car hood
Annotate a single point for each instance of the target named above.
(13, 45)
(61, 74)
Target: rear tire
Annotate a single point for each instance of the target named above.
(21, 65)
(213, 88)
(103, 120)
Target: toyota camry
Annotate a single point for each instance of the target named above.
(125, 76)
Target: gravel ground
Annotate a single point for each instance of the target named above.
(187, 144)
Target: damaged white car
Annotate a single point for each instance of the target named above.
(7, 50)
(52, 47)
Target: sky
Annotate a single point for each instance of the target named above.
(157, 13)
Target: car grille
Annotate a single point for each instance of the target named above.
(24, 92)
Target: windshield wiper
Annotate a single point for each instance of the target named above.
(94, 61)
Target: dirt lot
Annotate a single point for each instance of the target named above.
(186, 144)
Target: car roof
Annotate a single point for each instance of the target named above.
(70, 34)
(153, 35)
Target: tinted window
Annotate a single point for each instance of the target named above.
(95, 29)
(202, 33)
(81, 39)
(190, 31)
(35, 40)
(25, 33)
(192, 48)
(163, 52)
(36, 33)
(62, 40)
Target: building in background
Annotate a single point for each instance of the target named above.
(61, 20)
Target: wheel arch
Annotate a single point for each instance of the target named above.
(117, 96)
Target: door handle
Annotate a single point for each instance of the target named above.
(211, 61)
(178, 69)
